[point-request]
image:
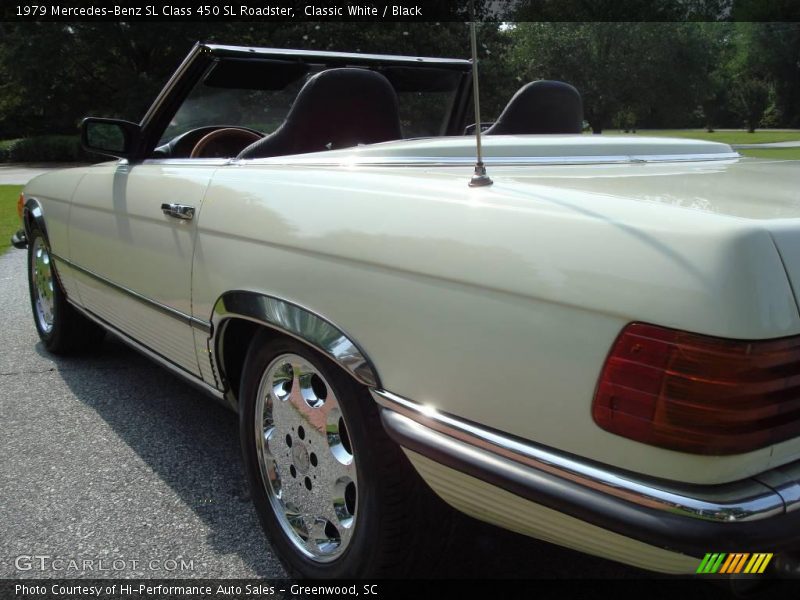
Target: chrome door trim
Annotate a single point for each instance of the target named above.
(294, 320)
(203, 326)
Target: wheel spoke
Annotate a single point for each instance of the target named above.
(316, 531)
(271, 442)
(345, 534)
(298, 524)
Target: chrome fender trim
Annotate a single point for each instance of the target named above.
(294, 320)
(32, 214)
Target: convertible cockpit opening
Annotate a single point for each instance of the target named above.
(258, 107)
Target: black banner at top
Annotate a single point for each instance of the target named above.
(400, 10)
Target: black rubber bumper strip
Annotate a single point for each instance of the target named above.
(660, 528)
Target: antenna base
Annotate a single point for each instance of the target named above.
(480, 178)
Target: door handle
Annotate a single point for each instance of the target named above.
(179, 211)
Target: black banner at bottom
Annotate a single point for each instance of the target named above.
(286, 589)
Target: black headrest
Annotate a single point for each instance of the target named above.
(337, 108)
(541, 107)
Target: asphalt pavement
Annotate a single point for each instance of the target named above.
(108, 456)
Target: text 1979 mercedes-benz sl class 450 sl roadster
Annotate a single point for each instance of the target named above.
(601, 349)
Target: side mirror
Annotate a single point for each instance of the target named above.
(110, 137)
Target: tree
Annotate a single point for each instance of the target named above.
(655, 71)
(53, 74)
(767, 59)
(616, 11)
(752, 98)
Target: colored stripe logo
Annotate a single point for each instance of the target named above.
(737, 562)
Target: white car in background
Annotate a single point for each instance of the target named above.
(601, 349)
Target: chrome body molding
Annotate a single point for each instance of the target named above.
(294, 320)
(773, 493)
(167, 310)
(32, 211)
(155, 356)
(496, 161)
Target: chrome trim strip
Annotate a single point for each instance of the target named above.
(196, 50)
(33, 210)
(316, 160)
(167, 310)
(356, 58)
(155, 356)
(785, 480)
(746, 500)
(193, 162)
(296, 321)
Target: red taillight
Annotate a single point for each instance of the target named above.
(699, 394)
(20, 205)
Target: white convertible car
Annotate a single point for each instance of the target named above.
(601, 349)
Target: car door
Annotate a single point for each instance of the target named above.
(131, 240)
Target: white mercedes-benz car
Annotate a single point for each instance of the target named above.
(600, 349)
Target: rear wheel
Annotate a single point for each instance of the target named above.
(335, 495)
(61, 328)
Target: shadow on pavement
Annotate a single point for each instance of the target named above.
(191, 443)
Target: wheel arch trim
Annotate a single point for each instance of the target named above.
(294, 320)
(32, 213)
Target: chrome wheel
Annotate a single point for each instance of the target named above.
(306, 458)
(43, 285)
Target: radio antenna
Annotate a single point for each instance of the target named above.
(479, 178)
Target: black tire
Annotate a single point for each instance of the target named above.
(400, 525)
(69, 332)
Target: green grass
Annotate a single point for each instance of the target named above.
(9, 221)
(774, 153)
(725, 136)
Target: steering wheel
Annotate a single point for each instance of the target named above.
(224, 143)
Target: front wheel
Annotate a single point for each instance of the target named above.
(335, 495)
(60, 327)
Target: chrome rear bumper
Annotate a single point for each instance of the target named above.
(758, 513)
